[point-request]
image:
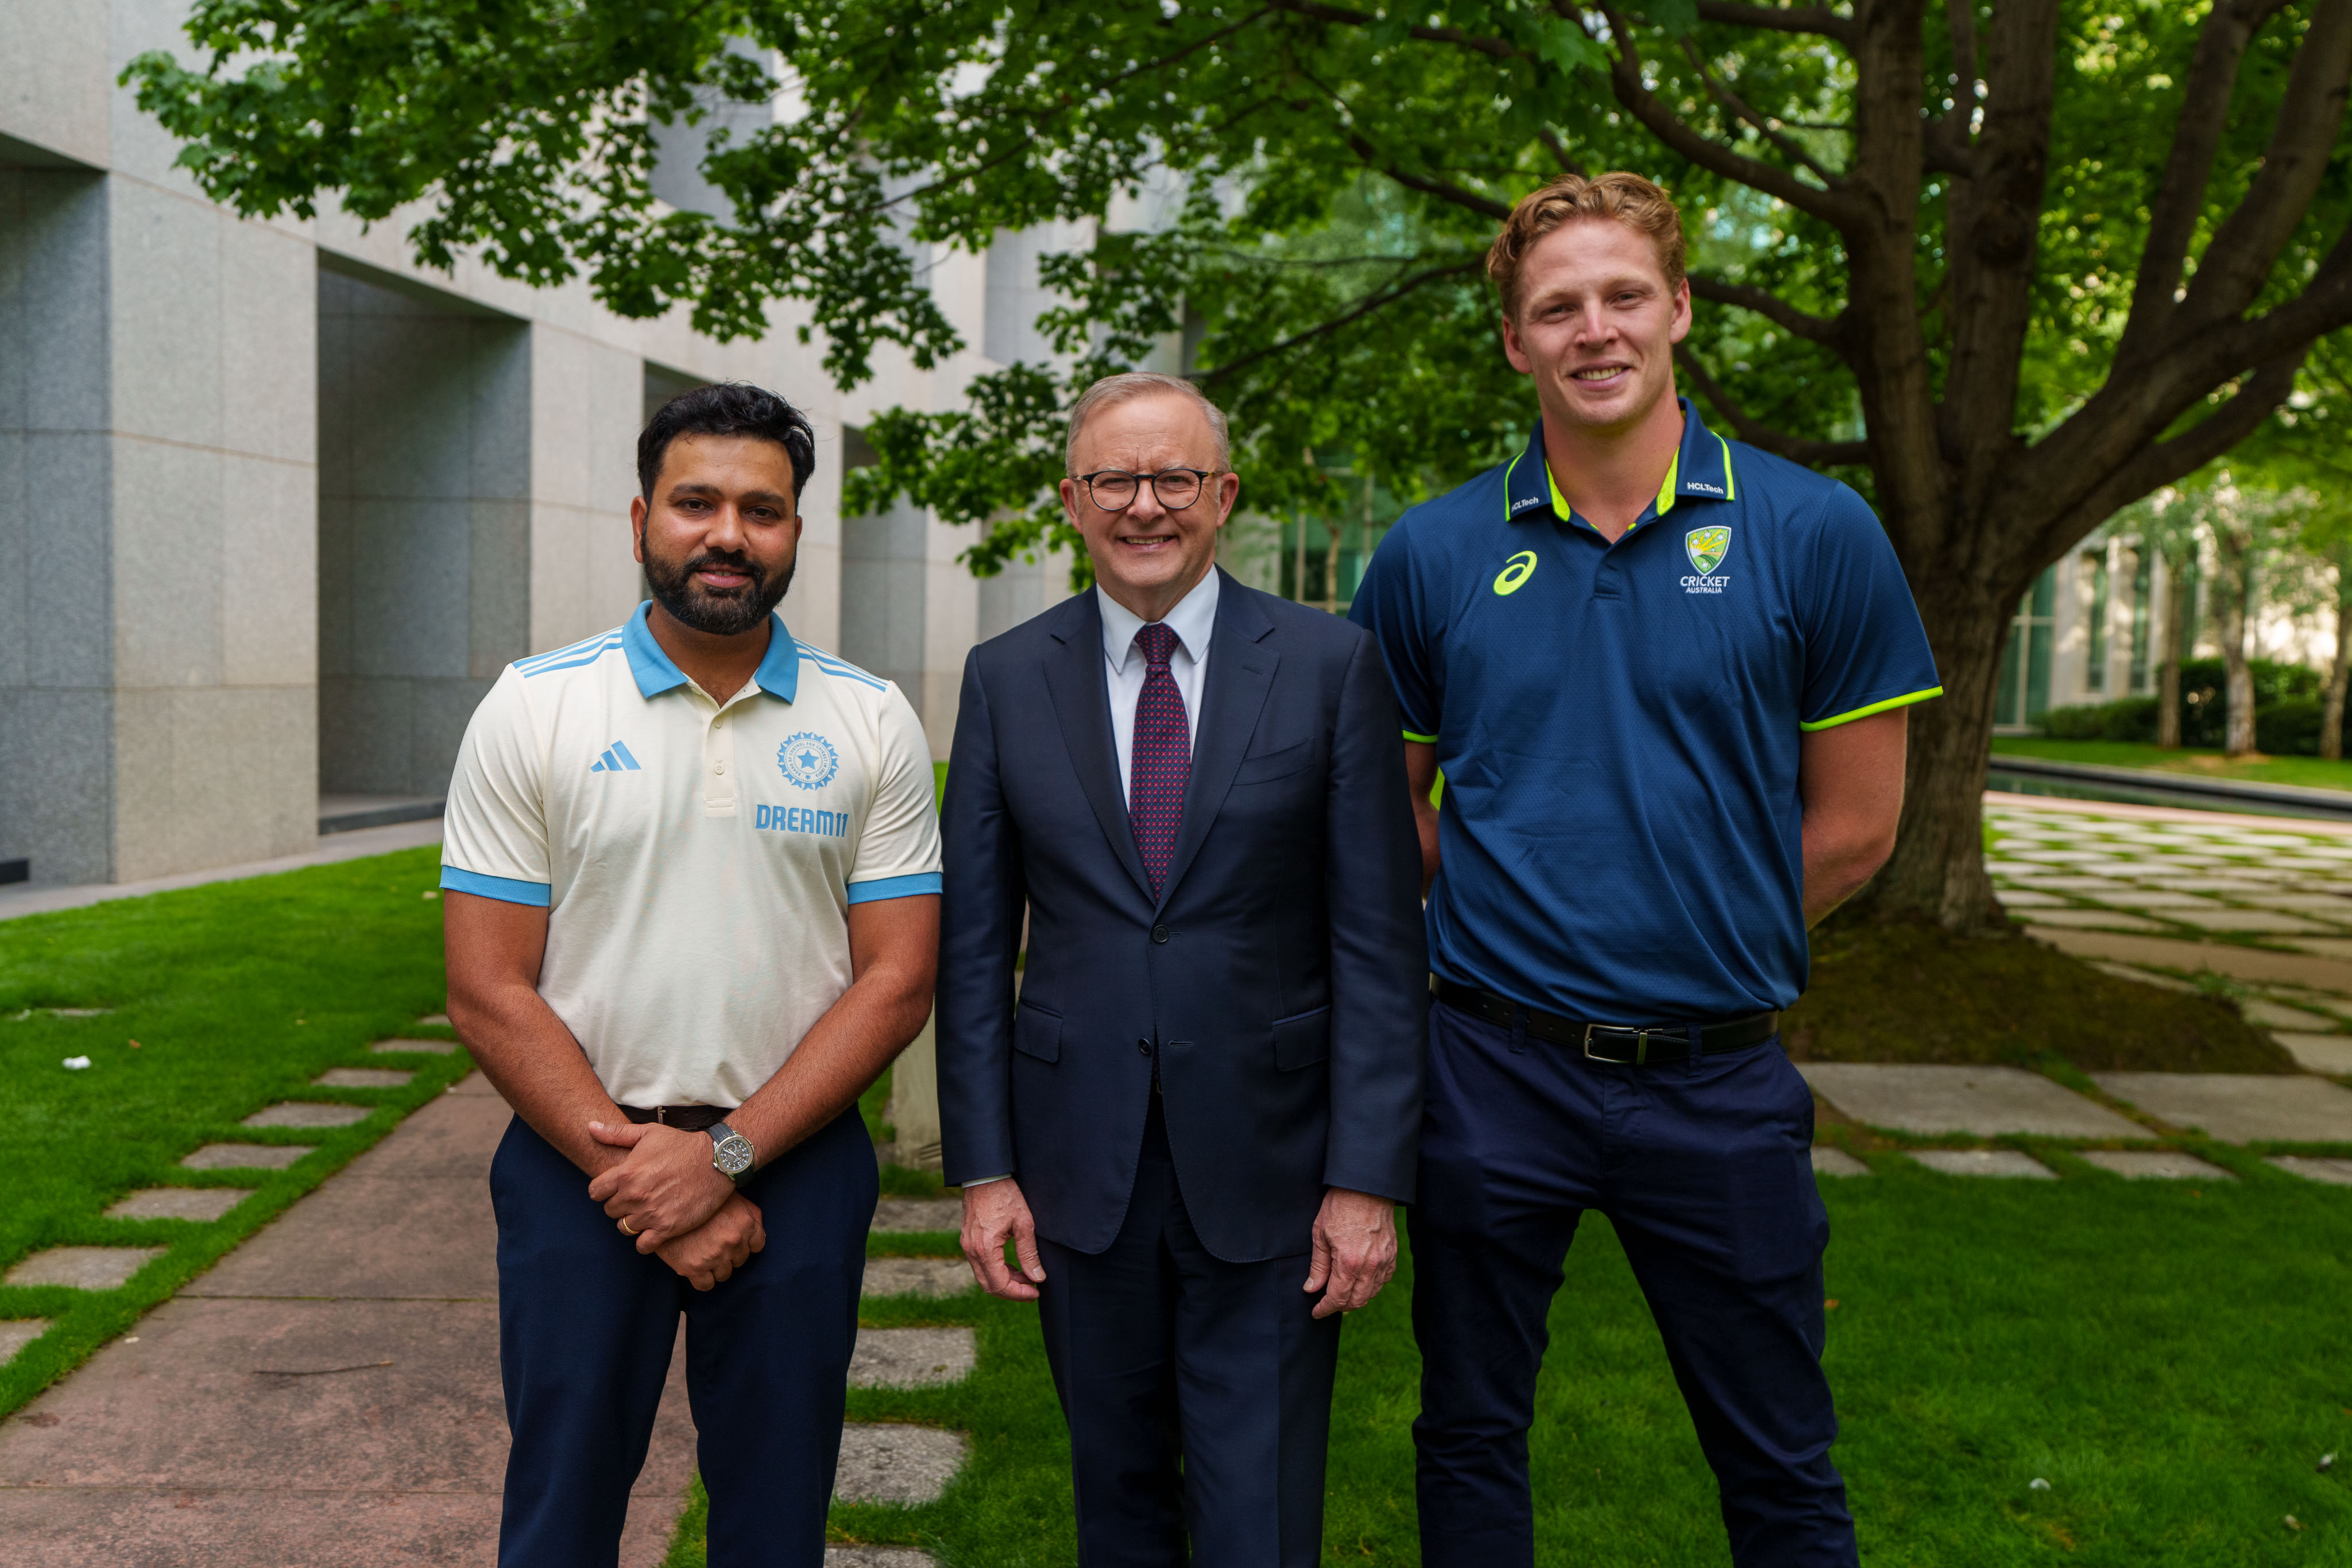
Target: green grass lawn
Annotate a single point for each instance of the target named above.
(2169, 1357)
(2310, 772)
(237, 994)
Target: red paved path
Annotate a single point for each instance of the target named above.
(193, 1448)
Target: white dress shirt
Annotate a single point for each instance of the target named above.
(1194, 617)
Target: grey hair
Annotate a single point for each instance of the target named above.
(1127, 387)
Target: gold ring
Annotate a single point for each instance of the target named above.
(624, 1226)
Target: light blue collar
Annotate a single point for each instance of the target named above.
(778, 676)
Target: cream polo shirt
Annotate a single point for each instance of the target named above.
(696, 860)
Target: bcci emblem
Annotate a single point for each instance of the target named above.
(808, 760)
(1706, 548)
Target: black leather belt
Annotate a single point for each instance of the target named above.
(685, 1118)
(1630, 1045)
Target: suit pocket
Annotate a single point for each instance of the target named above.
(1302, 1039)
(1038, 1033)
(1276, 765)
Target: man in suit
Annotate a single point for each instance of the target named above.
(1195, 1126)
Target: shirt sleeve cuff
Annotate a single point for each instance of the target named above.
(505, 889)
(983, 1181)
(1838, 719)
(921, 882)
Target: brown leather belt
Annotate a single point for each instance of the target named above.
(1628, 1045)
(685, 1118)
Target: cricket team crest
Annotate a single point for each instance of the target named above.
(1707, 547)
(808, 760)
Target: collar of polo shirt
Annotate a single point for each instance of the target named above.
(778, 675)
(1700, 470)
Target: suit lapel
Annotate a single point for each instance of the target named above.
(1073, 675)
(1239, 673)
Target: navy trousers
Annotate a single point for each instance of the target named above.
(586, 1326)
(1197, 1391)
(1704, 1167)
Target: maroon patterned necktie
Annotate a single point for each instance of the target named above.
(1161, 760)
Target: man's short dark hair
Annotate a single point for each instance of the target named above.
(727, 408)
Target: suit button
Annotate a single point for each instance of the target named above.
(1159, 934)
(1143, 1048)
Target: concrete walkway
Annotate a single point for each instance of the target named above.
(326, 1395)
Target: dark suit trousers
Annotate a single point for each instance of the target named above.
(1166, 1356)
(586, 1326)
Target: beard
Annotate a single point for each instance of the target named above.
(716, 614)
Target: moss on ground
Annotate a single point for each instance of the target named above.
(1913, 993)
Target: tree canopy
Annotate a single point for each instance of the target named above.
(2004, 264)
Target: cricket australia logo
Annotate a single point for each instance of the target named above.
(1707, 547)
(808, 760)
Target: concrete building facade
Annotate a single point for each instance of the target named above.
(277, 504)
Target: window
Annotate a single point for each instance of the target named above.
(2025, 692)
(2143, 572)
(2095, 673)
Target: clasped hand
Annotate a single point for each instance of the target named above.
(669, 1195)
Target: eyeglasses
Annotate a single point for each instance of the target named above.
(1114, 489)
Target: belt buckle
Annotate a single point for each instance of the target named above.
(1641, 1043)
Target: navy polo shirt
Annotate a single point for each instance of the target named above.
(1618, 724)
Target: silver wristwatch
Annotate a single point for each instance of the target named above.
(730, 1152)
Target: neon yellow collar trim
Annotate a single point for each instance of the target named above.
(1666, 491)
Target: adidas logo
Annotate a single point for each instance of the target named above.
(616, 760)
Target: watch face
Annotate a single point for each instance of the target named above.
(733, 1155)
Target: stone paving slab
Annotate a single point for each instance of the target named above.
(2334, 904)
(891, 1463)
(15, 1333)
(2334, 1173)
(2317, 1052)
(246, 1157)
(2283, 1015)
(912, 1358)
(364, 1078)
(877, 1557)
(414, 1047)
(2172, 901)
(2239, 1107)
(1984, 1101)
(918, 1277)
(2154, 1164)
(2303, 968)
(2254, 922)
(203, 1203)
(2327, 946)
(1984, 1162)
(1830, 1162)
(902, 1214)
(84, 1267)
(2026, 898)
(441, 1018)
(2101, 919)
(308, 1113)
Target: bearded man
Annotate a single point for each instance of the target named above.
(692, 911)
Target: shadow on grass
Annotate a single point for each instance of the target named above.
(2168, 1356)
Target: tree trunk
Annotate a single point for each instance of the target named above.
(2176, 609)
(2339, 674)
(2235, 553)
(1936, 872)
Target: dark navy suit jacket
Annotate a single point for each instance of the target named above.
(1281, 981)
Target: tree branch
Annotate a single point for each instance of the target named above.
(1795, 448)
(1498, 49)
(1738, 106)
(1824, 329)
(2239, 259)
(2257, 398)
(1559, 149)
(1819, 20)
(2180, 195)
(1428, 184)
(1625, 82)
(1361, 310)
